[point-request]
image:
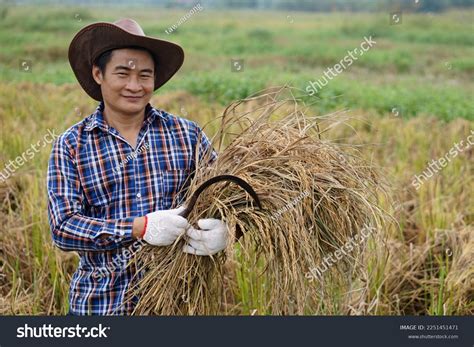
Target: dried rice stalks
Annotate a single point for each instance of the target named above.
(315, 196)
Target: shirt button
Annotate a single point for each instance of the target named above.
(139, 195)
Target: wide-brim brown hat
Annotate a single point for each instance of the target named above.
(97, 38)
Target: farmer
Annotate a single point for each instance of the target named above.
(114, 176)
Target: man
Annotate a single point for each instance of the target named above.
(114, 176)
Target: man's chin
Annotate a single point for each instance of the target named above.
(133, 106)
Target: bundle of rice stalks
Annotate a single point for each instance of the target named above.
(314, 198)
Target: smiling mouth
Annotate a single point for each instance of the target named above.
(132, 97)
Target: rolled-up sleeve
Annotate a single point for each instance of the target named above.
(71, 230)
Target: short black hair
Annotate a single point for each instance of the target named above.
(102, 60)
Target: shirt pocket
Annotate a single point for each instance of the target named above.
(175, 183)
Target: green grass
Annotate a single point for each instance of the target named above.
(424, 66)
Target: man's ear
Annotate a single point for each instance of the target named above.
(97, 74)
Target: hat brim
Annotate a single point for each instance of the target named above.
(97, 38)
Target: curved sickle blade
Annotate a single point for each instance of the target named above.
(247, 187)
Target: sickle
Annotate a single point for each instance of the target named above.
(247, 187)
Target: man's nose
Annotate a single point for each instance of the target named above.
(133, 84)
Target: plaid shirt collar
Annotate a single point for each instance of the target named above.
(96, 120)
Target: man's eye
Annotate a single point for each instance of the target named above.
(121, 74)
(145, 76)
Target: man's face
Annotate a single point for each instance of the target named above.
(128, 82)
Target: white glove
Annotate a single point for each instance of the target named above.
(210, 239)
(165, 226)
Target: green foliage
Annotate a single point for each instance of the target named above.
(425, 65)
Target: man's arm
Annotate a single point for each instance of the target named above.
(71, 230)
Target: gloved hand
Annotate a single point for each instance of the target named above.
(164, 227)
(209, 239)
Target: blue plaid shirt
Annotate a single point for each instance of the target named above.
(98, 183)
